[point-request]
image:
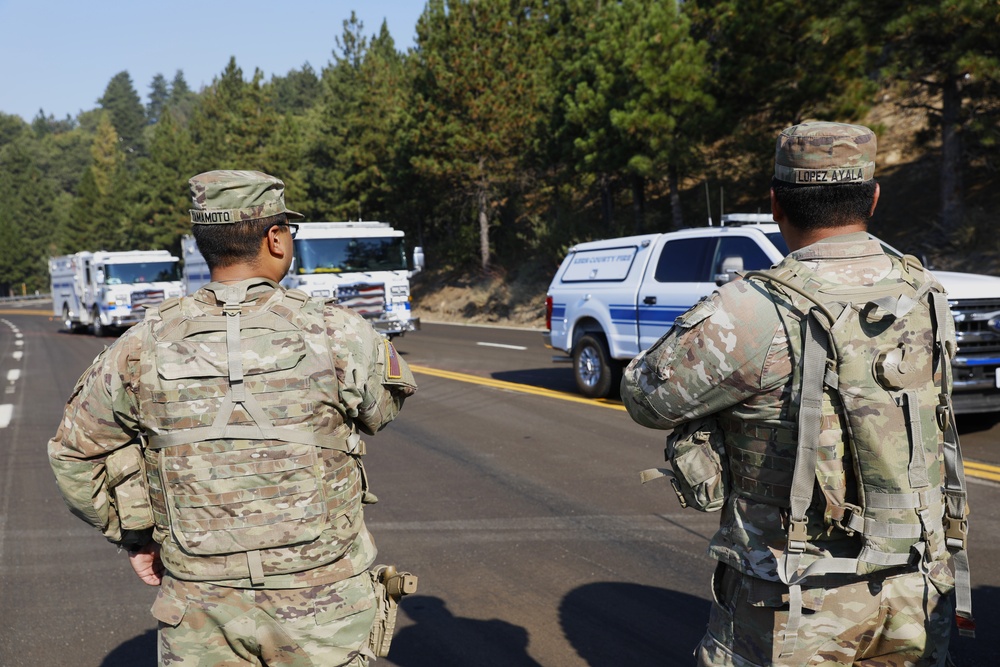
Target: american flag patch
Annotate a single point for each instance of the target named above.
(392, 369)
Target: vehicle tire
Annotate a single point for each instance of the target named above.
(68, 320)
(597, 374)
(96, 327)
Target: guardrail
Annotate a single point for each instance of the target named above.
(26, 298)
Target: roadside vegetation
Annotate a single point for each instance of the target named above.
(512, 130)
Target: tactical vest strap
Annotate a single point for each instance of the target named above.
(350, 444)
(956, 525)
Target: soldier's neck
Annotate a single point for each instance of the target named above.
(797, 238)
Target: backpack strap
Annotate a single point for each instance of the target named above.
(956, 523)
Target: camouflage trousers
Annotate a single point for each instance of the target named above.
(892, 621)
(205, 625)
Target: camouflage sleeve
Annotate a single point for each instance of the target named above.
(100, 418)
(374, 378)
(713, 357)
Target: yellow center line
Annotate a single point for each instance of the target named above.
(982, 470)
(972, 468)
(513, 386)
(25, 311)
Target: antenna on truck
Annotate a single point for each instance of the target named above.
(708, 204)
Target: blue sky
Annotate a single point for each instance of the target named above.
(59, 55)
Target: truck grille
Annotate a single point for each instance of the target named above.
(977, 326)
(143, 298)
(367, 299)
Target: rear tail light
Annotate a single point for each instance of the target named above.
(548, 313)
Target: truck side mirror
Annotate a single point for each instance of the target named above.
(100, 276)
(418, 259)
(730, 267)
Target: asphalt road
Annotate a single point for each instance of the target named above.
(516, 502)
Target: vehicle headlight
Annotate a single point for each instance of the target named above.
(399, 290)
(325, 293)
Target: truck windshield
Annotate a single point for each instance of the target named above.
(387, 253)
(140, 272)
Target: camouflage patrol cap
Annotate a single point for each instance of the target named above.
(823, 153)
(226, 196)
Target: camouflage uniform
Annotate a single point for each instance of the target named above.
(305, 599)
(730, 358)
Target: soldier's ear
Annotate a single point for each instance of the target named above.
(777, 212)
(275, 243)
(878, 190)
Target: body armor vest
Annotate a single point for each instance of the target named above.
(874, 367)
(252, 470)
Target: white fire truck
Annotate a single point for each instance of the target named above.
(109, 290)
(361, 265)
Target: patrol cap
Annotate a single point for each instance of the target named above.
(226, 196)
(823, 153)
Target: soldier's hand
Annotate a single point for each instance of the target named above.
(147, 564)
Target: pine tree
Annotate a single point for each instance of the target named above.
(159, 96)
(163, 200)
(297, 91)
(947, 57)
(234, 123)
(125, 109)
(478, 88)
(26, 220)
(100, 213)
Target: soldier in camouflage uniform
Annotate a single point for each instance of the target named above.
(217, 441)
(732, 359)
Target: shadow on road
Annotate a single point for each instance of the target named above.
(440, 638)
(611, 624)
(981, 651)
(559, 378)
(136, 652)
(976, 422)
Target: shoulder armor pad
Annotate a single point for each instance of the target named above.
(169, 308)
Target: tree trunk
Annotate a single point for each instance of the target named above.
(676, 214)
(607, 201)
(638, 202)
(482, 197)
(952, 196)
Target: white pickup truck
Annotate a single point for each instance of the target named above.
(611, 299)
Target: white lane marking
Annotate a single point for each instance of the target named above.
(13, 374)
(6, 411)
(18, 354)
(19, 343)
(506, 347)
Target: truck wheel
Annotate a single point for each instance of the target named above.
(68, 320)
(596, 373)
(96, 327)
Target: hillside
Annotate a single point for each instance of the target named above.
(907, 169)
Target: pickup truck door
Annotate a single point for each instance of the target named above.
(690, 268)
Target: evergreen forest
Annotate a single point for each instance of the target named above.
(513, 129)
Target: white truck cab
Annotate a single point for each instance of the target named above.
(613, 298)
(361, 265)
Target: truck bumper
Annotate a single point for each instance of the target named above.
(974, 384)
(969, 402)
(396, 327)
